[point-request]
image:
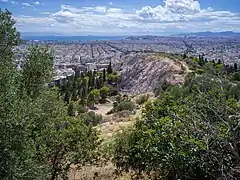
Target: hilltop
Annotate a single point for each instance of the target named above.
(150, 71)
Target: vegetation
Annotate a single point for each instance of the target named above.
(38, 138)
(123, 104)
(142, 99)
(190, 132)
(91, 118)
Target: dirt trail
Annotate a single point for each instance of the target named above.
(103, 109)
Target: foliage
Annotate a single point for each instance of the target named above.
(71, 109)
(113, 78)
(37, 70)
(236, 76)
(142, 99)
(91, 118)
(109, 68)
(17, 152)
(125, 105)
(104, 92)
(38, 138)
(192, 137)
(81, 108)
(93, 97)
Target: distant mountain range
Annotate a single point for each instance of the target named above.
(211, 34)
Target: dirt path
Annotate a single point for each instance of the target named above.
(103, 109)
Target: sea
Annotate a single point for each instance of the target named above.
(72, 38)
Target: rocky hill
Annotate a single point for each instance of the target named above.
(147, 72)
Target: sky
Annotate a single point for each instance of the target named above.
(123, 17)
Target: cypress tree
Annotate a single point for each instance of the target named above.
(109, 68)
(184, 56)
(235, 67)
(104, 75)
(219, 61)
(101, 81)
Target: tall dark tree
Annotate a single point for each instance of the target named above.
(184, 56)
(219, 61)
(235, 67)
(104, 75)
(109, 68)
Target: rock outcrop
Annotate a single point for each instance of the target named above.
(147, 72)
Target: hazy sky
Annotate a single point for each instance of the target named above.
(124, 17)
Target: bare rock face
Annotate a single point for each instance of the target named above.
(145, 73)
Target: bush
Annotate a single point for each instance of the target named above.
(93, 97)
(81, 109)
(71, 109)
(142, 99)
(112, 90)
(125, 105)
(199, 71)
(104, 92)
(91, 118)
(236, 76)
(196, 137)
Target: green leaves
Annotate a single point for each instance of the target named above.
(190, 136)
(37, 70)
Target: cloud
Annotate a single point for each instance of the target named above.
(26, 4)
(114, 10)
(171, 16)
(13, 2)
(37, 3)
(171, 10)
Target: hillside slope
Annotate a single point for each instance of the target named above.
(145, 73)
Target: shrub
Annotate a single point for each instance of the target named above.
(142, 99)
(81, 109)
(71, 109)
(196, 137)
(236, 76)
(91, 118)
(199, 71)
(125, 105)
(93, 97)
(104, 92)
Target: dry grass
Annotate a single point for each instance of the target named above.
(96, 173)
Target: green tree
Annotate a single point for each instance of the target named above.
(59, 140)
(109, 68)
(113, 78)
(104, 75)
(192, 137)
(91, 118)
(93, 97)
(17, 151)
(38, 139)
(104, 92)
(37, 70)
(71, 109)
